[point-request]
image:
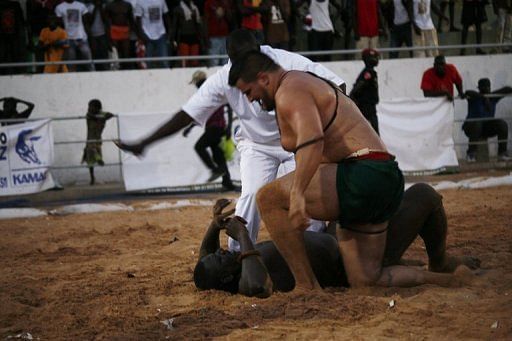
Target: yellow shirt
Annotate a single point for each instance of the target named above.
(53, 54)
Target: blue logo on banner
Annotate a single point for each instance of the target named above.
(26, 151)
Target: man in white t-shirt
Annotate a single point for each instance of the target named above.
(422, 10)
(153, 21)
(72, 15)
(258, 139)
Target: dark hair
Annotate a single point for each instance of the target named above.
(210, 273)
(95, 102)
(484, 82)
(440, 59)
(248, 67)
(239, 42)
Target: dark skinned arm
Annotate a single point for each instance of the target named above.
(211, 242)
(255, 279)
(433, 93)
(460, 90)
(179, 121)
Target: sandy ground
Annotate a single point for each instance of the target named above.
(117, 275)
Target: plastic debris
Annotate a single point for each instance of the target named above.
(173, 239)
(391, 303)
(22, 336)
(168, 323)
(253, 305)
(494, 325)
(130, 275)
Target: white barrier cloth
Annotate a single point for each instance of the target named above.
(419, 133)
(26, 153)
(170, 162)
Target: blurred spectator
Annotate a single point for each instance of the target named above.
(119, 14)
(321, 35)
(250, 11)
(398, 14)
(218, 18)
(347, 10)
(275, 24)
(451, 10)
(99, 41)
(96, 119)
(438, 81)
(72, 14)
(153, 21)
(428, 35)
(10, 110)
(473, 13)
(188, 35)
(480, 106)
(53, 42)
(215, 129)
(503, 9)
(38, 12)
(365, 92)
(12, 35)
(367, 24)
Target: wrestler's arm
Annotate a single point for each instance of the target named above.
(255, 279)
(300, 117)
(211, 242)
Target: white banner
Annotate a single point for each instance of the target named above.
(419, 133)
(170, 162)
(26, 153)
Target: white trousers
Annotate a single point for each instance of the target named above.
(259, 165)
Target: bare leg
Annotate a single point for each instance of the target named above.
(91, 173)
(403, 276)
(321, 203)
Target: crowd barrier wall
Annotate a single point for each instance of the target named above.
(165, 90)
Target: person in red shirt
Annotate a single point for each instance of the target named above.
(218, 17)
(368, 24)
(438, 81)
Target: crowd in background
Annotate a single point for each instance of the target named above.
(56, 30)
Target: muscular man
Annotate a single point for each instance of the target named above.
(257, 140)
(260, 269)
(343, 173)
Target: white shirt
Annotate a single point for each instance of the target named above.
(257, 125)
(71, 14)
(321, 21)
(422, 16)
(151, 13)
(400, 15)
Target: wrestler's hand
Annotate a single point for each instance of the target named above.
(297, 213)
(235, 227)
(221, 218)
(136, 149)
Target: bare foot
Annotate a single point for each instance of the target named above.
(451, 263)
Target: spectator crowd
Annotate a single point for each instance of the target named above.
(59, 30)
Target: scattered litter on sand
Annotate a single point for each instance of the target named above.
(168, 323)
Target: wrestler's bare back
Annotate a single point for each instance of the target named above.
(307, 103)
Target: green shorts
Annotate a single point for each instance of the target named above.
(369, 191)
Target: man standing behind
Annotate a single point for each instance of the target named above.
(427, 35)
(438, 81)
(120, 17)
(72, 14)
(365, 92)
(482, 106)
(53, 41)
(152, 21)
(218, 18)
(100, 43)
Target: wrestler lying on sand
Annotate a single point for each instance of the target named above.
(259, 269)
(343, 173)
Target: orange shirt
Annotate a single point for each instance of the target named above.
(53, 54)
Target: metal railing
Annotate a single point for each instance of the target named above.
(209, 57)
